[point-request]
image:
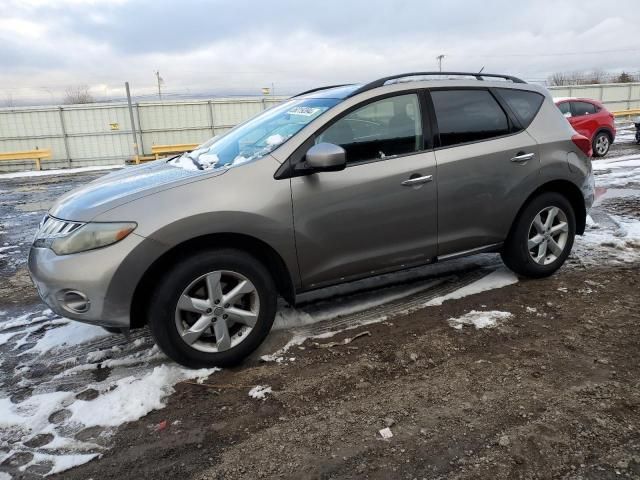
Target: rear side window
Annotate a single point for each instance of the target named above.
(381, 129)
(524, 104)
(583, 108)
(468, 116)
(565, 108)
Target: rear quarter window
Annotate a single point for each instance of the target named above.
(523, 103)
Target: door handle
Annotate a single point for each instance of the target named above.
(522, 157)
(413, 181)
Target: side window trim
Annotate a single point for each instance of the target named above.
(508, 114)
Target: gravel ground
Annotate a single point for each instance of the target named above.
(551, 389)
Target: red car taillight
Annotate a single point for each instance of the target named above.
(583, 143)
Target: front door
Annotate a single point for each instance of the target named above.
(379, 213)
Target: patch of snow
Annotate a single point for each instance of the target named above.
(625, 161)
(618, 244)
(60, 463)
(498, 279)
(61, 171)
(5, 476)
(259, 392)
(132, 397)
(275, 140)
(71, 333)
(479, 319)
(136, 381)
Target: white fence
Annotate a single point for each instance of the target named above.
(101, 134)
(615, 96)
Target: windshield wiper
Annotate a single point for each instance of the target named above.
(196, 162)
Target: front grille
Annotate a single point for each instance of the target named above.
(52, 228)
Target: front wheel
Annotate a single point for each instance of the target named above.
(601, 144)
(213, 309)
(542, 236)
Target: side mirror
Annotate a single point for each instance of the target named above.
(326, 157)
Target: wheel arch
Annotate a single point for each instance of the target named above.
(606, 130)
(570, 191)
(251, 245)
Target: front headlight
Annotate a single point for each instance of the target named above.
(81, 237)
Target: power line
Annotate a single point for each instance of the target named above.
(560, 54)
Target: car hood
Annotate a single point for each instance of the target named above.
(117, 188)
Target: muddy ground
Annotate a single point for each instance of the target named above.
(551, 392)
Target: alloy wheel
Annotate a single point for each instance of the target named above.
(602, 145)
(217, 311)
(548, 235)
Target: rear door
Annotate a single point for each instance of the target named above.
(583, 118)
(380, 212)
(487, 163)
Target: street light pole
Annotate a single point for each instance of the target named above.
(439, 58)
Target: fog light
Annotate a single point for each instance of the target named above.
(74, 301)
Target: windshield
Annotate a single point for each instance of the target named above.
(255, 138)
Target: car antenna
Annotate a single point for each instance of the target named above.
(481, 69)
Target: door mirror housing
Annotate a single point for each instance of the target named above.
(326, 157)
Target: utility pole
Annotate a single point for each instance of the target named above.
(133, 124)
(439, 58)
(160, 82)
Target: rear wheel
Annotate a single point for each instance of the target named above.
(213, 309)
(542, 236)
(601, 144)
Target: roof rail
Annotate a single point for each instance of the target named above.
(320, 88)
(478, 76)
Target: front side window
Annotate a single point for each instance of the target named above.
(381, 129)
(255, 138)
(583, 108)
(468, 116)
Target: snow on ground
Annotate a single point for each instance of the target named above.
(616, 241)
(65, 386)
(625, 131)
(498, 279)
(61, 171)
(260, 392)
(479, 319)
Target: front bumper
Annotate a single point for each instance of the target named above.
(91, 274)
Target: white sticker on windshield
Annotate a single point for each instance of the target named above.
(305, 111)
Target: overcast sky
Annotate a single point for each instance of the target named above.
(239, 46)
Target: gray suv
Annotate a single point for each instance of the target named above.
(334, 184)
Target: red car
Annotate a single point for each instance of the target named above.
(591, 119)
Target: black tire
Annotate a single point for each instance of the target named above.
(515, 253)
(594, 144)
(164, 300)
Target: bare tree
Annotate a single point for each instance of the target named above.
(78, 94)
(579, 78)
(558, 79)
(625, 77)
(595, 77)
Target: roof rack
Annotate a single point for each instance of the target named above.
(478, 76)
(321, 88)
